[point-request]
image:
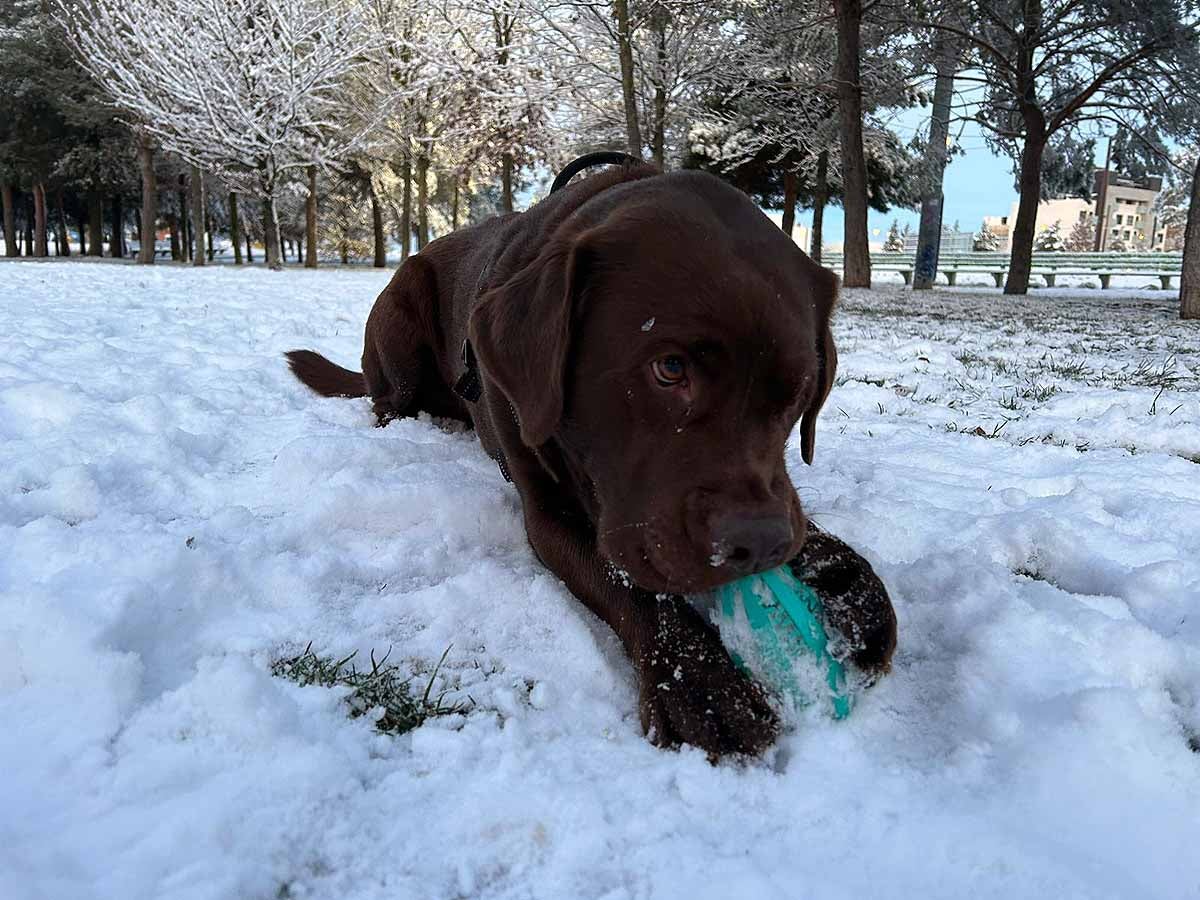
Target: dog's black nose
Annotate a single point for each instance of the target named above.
(751, 544)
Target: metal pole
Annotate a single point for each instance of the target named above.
(1102, 200)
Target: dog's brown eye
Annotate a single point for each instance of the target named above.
(669, 371)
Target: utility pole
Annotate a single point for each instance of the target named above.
(1102, 199)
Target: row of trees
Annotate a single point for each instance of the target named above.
(428, 109)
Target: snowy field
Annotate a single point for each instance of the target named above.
(176, 512)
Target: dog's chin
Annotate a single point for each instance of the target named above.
(657, 576)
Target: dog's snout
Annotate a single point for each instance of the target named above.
(753, 543)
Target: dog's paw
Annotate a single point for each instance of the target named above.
(692, 693)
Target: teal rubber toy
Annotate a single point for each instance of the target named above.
(785, 616)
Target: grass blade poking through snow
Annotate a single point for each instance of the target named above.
(382, 688)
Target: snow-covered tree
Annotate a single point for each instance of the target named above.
(1082, 237)
(250, 89)
(894, 242)
(1050, 239)
(770, 107)
(985, 239)
(632, 72)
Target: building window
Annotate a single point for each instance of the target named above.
(1120, 220)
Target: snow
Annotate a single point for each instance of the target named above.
(176, 512)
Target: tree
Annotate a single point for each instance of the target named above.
(1082, 235)
(856, 261)
(1046, 67)
(1050, 240)
(985, 239)
(945, 62)
(632, 72)
(1165, 105)
(894, 242)
(768, 121)
(249, 89)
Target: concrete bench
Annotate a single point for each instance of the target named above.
(1049, 275)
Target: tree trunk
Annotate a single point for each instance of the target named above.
(185, 236)
(40, 247)
(235, 229)
(208, 227)
(29, 217)
(658, 24)
(1189, 282)
(380, 260)
(422, 201)
(271, 230)
(173, 228)
(1021, 260)
(95, 224)
(198, 209)
(454, 202)
(820, 198)
(856, 256)
(929, 233)
(633, 134)
(116, 246)
(790, 183)
(64, 237)
(149, 201)
(11, 246)
(81, 225)
(506, 182)
(406, 210)
(310, 220)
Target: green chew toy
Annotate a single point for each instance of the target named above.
(785, 618)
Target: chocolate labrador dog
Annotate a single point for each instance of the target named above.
(634, 351)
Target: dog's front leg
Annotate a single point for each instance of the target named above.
(689, 689)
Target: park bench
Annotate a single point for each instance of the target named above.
(1047, 266)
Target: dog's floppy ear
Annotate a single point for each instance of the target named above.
(521, 334)
(825, 291)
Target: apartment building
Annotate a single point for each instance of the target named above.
(1129, 214)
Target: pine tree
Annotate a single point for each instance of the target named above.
(1050, 240)
(894, 242)
(1082, 237)
(985, 239)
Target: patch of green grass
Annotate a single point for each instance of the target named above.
(1004, 366)
(1039, 393)
(383, 690)
(1075, 367)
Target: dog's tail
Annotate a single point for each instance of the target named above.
(324, 377)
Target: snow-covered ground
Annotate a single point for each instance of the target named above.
(176, 512)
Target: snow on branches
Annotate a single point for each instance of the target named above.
(248, 89)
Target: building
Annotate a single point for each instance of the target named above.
(1129, 213)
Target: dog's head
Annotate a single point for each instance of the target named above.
(667, 342)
